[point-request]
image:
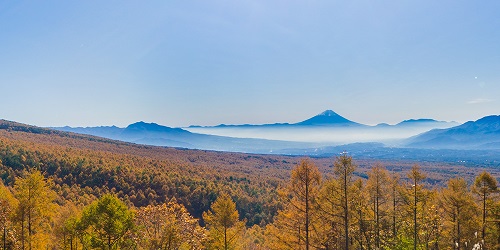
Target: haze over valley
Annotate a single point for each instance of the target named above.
(327, 134)
(327, 127)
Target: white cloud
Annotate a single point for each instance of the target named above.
(480, 100)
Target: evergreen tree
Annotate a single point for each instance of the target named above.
(107, 223)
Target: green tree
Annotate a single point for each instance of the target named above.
(36, 209)
(484, 187)
(223, 223)
(105, 224)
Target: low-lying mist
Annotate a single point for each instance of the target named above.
(318, 134)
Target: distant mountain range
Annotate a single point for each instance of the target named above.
(330, 118)
(481, 134)
(315, 134)
(158, 135)
(327, 127)
(475, 152)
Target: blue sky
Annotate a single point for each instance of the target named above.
(178, 63)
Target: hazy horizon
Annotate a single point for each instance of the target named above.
(178, 64)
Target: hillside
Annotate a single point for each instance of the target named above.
(159, 135)
(141, 175)
(83, 164)
(83, 168)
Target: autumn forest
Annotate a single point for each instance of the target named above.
(62, 190)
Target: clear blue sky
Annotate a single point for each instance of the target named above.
(178, 63)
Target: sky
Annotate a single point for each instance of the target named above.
(181, 63)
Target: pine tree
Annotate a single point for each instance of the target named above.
(106, 223)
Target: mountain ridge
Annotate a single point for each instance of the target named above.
(484, 132)
(330, 117)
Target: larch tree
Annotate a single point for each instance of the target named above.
(494, 215)
(485, 186)
(223, 223)
(330, 204)
(361, 226)
(430, 227)
(416, 176)
(168, 226)
(343, 168)
(7, 205)
(304, 187)
(460, 211)
(395, 200)
(36, 209)
(65, 227)
(293, 227)
(378, 190)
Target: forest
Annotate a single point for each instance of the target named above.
(67, 191)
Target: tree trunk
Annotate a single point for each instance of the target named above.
(225, 238)
(346, 213)
(307, 210)
(484, 220)
(415, 227)
(394, 232)
(22, 231)
(377, 221)
(4, 236)
(458, 228)
(29, 229)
